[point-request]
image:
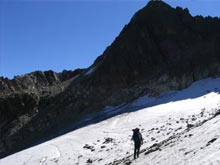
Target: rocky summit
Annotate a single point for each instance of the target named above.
(160, 49)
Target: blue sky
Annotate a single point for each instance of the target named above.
(68, 34)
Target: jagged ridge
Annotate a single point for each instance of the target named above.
(161, 49)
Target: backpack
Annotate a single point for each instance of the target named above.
(137, 137)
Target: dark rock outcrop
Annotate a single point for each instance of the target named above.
(161, 49)
(36, 81)
(162, 41)
(21, 101)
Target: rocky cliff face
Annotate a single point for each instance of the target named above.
(20, 100)
(161, 49)
(36, 82)
(161, 40)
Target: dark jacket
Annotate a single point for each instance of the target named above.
(137, 137)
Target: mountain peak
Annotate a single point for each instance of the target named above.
(161, 49)
(155, 9)
(157, 3)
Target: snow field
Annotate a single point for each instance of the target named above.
(181, 127)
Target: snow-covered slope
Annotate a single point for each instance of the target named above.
(178, 127)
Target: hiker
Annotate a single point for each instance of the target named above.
(138, 140)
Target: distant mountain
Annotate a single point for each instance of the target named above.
(160, 49)
(36, 82)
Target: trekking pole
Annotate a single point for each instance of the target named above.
(130, 148)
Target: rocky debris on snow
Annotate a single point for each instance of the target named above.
(211, 141)
(160, 49)
(86, 146)
(152, 139)
(100, 159)
(181, 132)
(108, 140)
(128, 162)
(103, 147)
(188, 152)
(89, 161)
(190, 126)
